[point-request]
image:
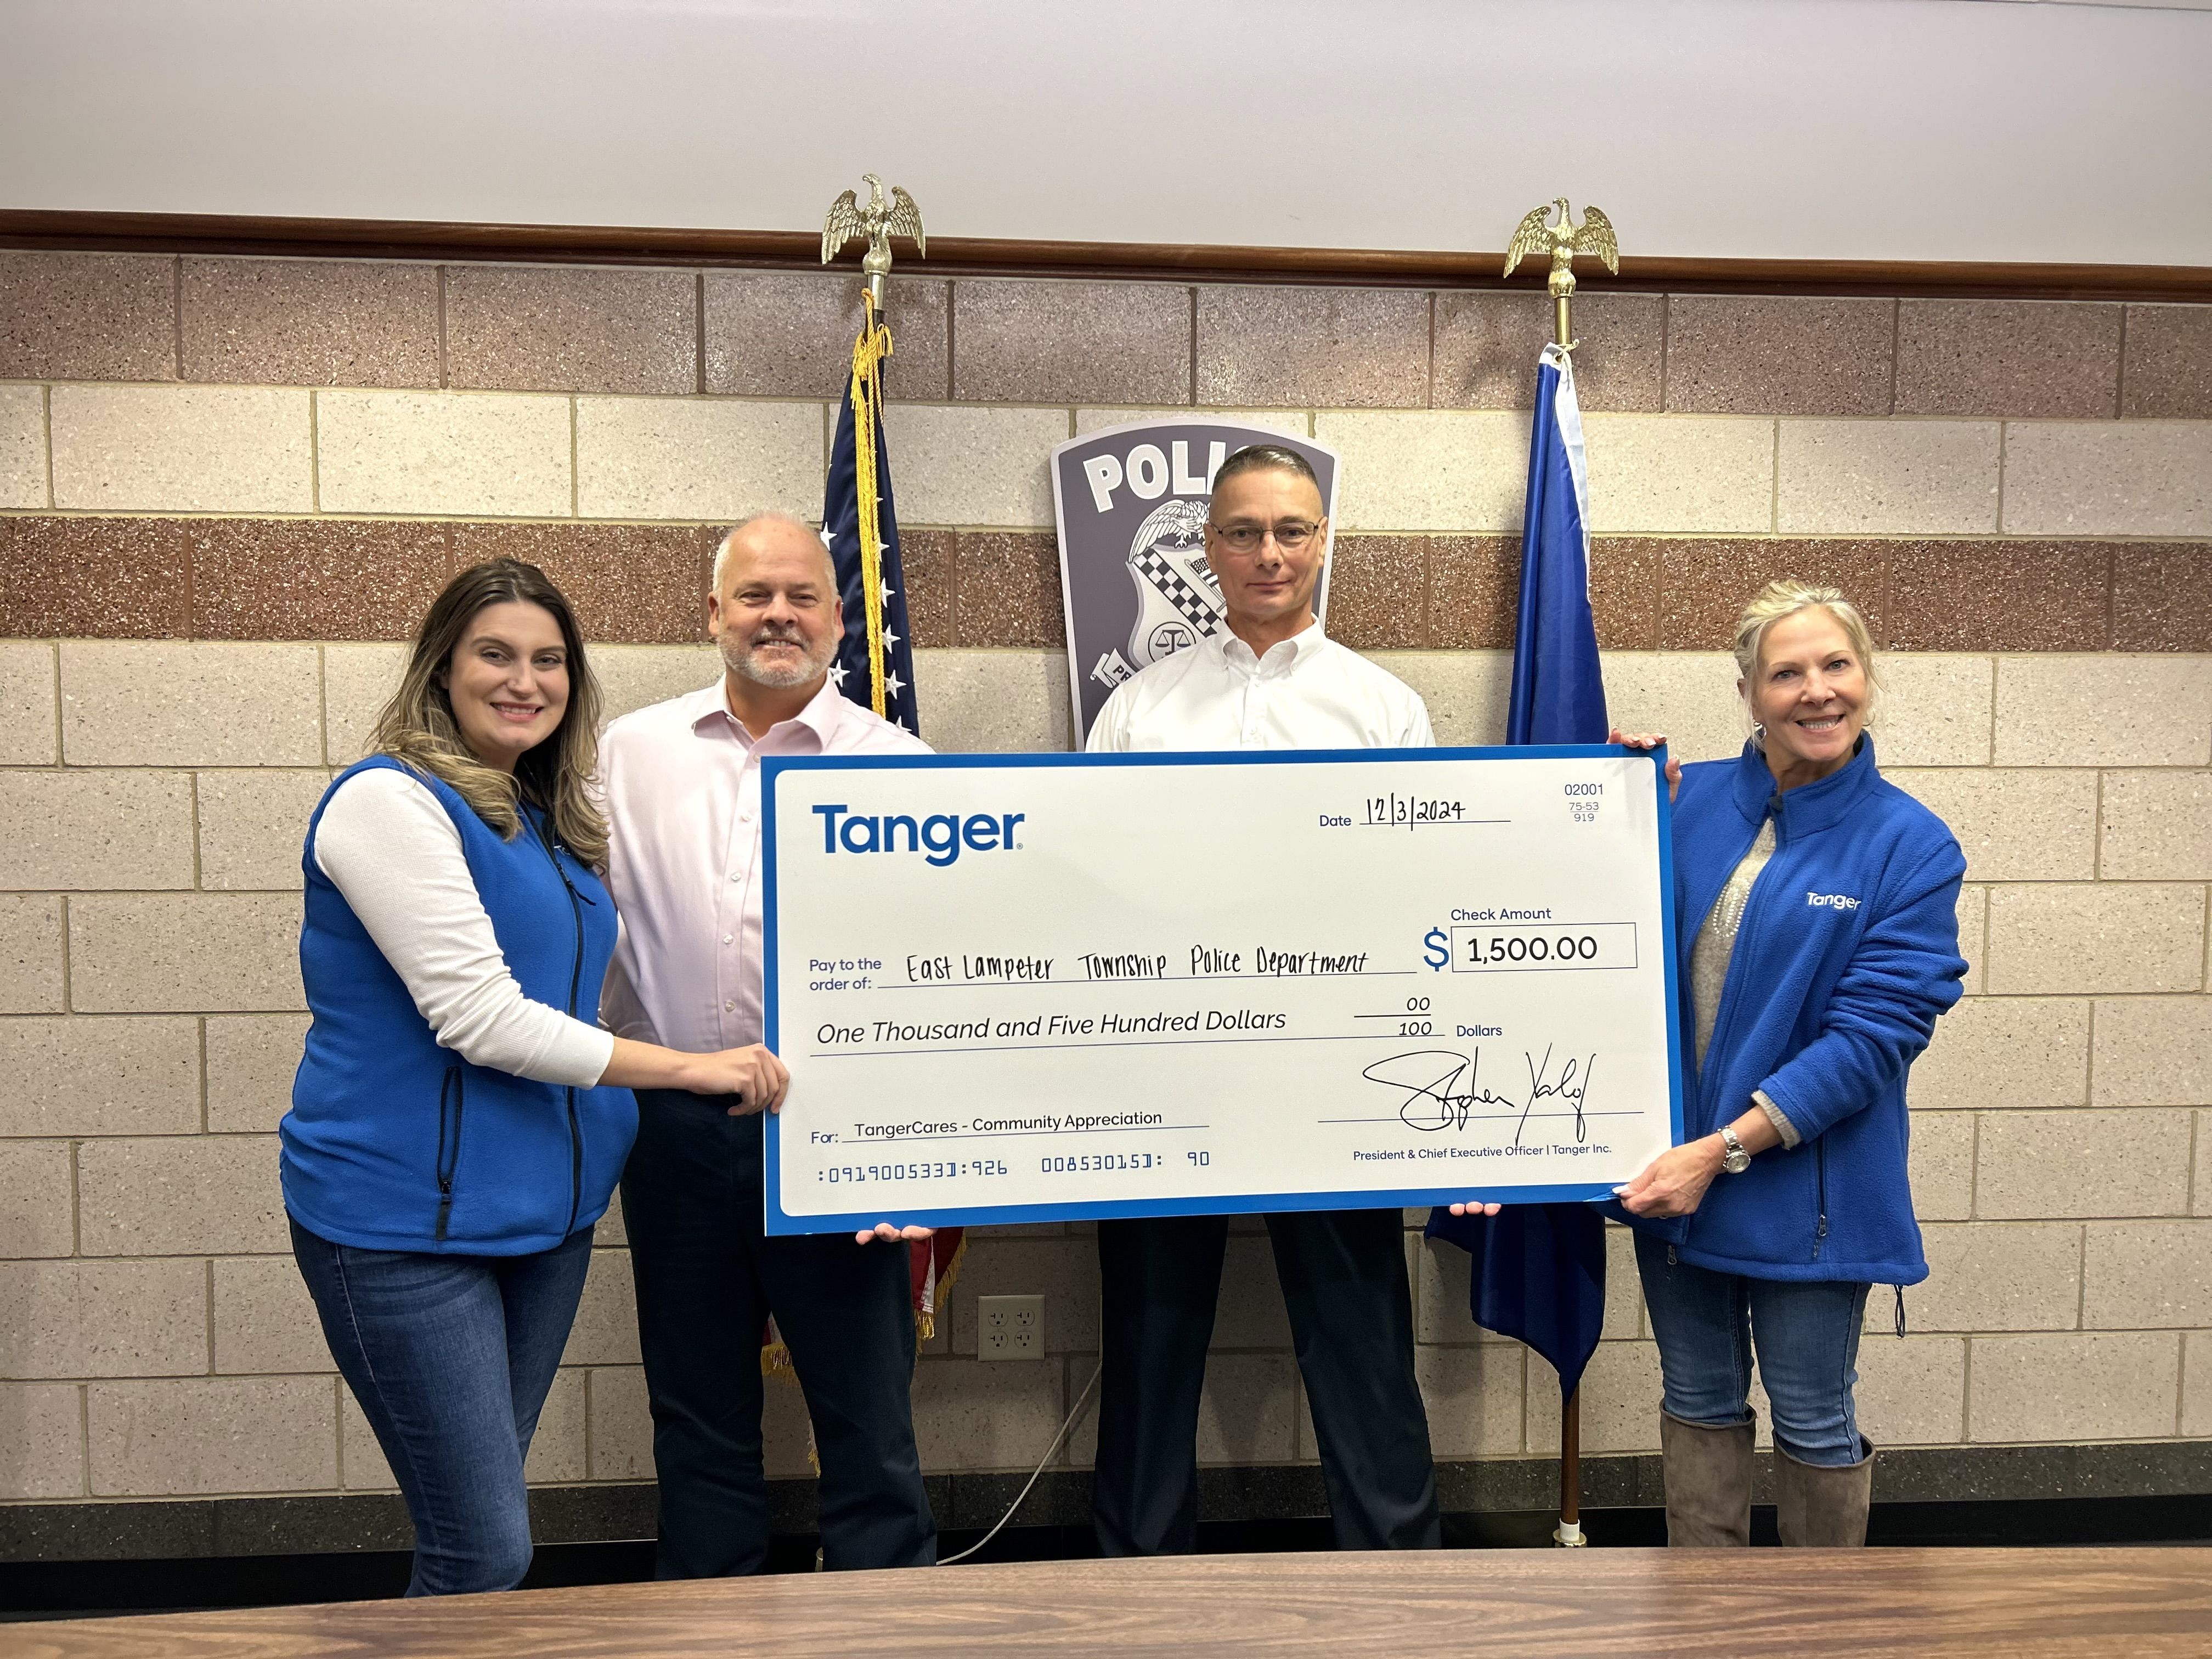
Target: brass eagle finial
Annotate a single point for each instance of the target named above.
(880, 220)
(1534, 235)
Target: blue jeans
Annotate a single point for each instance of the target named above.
(451, 1358)
(1806, 1333)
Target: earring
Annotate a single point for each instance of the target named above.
(1758, 732)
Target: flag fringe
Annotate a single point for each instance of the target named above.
(869, 350)
(925, 1317)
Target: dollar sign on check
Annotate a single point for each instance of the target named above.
(1437, 947)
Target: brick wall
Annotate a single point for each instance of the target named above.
(229, 485)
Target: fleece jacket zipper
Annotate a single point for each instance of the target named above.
(575, 985)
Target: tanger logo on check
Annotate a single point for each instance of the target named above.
(1829, 901)
(939, 837)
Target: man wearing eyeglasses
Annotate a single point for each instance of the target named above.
(1267, 680)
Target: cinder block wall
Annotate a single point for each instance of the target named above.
(229, 485)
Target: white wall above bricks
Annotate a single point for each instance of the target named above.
(2079, 151)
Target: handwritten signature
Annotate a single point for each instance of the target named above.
(1429, 1081)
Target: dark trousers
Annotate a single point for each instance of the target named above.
(707, 1281)
(1343, 1274)
(451, 1358)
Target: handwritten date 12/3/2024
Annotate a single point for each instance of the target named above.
(1395, 812)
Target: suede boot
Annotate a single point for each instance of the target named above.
(1708, 1483)
(1818, 1508)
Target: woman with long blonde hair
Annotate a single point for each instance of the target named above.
(1819, 943)
(459, 1119)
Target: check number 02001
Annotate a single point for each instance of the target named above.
(1523, 947)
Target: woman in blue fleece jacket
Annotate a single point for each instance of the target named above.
(1819, 944)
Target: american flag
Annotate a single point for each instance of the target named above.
(875, 659)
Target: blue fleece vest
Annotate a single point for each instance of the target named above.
(1847, 954)
(393, 1142)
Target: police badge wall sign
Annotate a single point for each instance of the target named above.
(1130, 502)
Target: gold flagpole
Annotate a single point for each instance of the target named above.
(1562, 241)
(1569, 1532)
(878, 220)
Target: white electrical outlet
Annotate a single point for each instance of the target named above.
(1010, 1327)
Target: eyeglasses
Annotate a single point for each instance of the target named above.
(1291, 535)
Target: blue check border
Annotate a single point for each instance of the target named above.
(778, 1223)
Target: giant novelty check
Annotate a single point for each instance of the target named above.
(1040, 988)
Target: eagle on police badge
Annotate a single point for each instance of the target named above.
(1178, 597)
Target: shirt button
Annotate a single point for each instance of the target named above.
(733, 875)
(729, 1007)
(744, 818)
(728, 938)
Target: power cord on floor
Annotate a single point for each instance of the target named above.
(1051, 1452)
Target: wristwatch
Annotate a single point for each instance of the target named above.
(1735, 1161)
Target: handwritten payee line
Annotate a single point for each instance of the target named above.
(1148, 979)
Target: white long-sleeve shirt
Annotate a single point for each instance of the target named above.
(393, 851)
(1308, 692)
(681, 784)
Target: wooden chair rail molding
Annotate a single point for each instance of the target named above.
(1501, 1604)
(980, 256)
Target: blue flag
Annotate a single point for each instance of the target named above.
(1558, 695)
(1539, 1269)
(860, 526)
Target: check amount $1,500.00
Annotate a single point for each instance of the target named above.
(1529, 947)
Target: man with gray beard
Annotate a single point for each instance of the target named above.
(680, 783)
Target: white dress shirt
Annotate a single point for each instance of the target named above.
(392, 849)
(681, 785)
(1308, 692)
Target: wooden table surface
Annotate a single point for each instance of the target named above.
(1465, 1604)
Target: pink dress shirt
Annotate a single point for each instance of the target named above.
(681, 785)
